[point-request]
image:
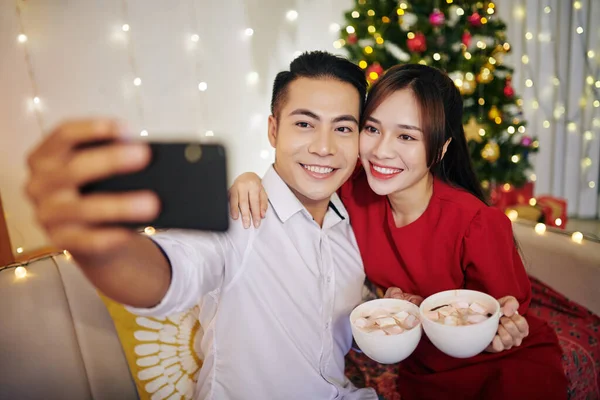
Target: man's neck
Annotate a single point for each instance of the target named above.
(409, 204)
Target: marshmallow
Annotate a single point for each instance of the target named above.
(385, 321)
(432, 315)
(378, 313)
(450, 320)
(411, 321)
(461, 304)
(393, 330)
(401, 316)
(362, 323)
(446, 310)
(377, 332)
(476, 318)
(478, 308)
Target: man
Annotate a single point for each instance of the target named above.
(275, 299)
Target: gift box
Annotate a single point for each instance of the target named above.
(507, 195)
(551, 211)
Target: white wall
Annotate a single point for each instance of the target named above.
(80, 58)
(83, 64)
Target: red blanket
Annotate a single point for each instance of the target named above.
(578, 332)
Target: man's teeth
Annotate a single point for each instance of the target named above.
(319, 170)
(387, 171)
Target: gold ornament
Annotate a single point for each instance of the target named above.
(468, 85)
(490, 152)
(472, 129)
(485, 75)
(494, 113)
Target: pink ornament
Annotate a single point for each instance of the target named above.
(526, 141)
(437, 18)
(474, 19)
(466, 38)
(352, 38)
(417, 44)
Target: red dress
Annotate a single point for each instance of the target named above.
(458, 242)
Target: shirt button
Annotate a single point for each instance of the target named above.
(328, 279)
(327, 325)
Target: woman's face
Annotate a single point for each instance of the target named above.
(392, 146)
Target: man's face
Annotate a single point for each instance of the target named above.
(316, 137)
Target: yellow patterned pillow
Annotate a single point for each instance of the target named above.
(162, 353)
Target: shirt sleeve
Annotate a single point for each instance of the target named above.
(491, 259)
(197, 262)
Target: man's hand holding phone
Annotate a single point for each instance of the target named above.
(63, 163)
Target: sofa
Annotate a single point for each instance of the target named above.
(58, 341)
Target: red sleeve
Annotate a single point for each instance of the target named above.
(491, 260)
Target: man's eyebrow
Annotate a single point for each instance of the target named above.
(402, 126)
(347, 117)
(310, 114)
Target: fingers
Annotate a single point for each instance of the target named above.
(255, 207)
(505, 338)
(521, 324)
(264, 203)
(244, 205)
(513, 330)
(393, 293)
(413, 298)
(234, 204)
(68, 207)
(509, 305)
(70, 134)
(85, 242)
(496, 346)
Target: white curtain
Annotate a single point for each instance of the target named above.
(556, 55)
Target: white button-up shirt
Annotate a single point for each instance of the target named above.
(274, 301)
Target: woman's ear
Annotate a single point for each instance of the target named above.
(445, 148)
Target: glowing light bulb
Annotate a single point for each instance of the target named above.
(195, 37)
(125, 27)
(532, 202)
(36, 100)
(436, 56)
(19, 250)
(144, 132)
(577, 237)
(558, 222)
(579, 30)
(515, 159)
(202, 86)
(529, 36)
(547, 9)
(67, 254)
(512, 215)
(20, 272)
(149, 230)
(137, 81)
(209, 133)
(292, 15)
(249, 32)
(588, 135)
(540, 228)
(529, 83)
(333, 28)
(546, 124)
(350, 29)
(22, 38)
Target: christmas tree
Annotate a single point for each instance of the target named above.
(468, 41)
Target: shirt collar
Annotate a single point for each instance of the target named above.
(286, 204)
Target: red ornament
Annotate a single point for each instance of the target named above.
(466, 38)
(374, 68)
(437, 18)
(508, 90)
(417, 44)
(474, 19)
(352, 38)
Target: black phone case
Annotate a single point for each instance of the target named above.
(190, 180)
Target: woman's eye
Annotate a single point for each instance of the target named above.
(406, 137)
(371, 129)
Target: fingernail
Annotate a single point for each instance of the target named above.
(246, 223)
(256, 223)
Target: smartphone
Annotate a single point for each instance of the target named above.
(189, 178)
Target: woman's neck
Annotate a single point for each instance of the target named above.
(409, 204)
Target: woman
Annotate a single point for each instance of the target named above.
(423, 226)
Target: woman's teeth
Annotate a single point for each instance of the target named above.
(387, 171)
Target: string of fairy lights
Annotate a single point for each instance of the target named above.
(591, 94)
(36, 101)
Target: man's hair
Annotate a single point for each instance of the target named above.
(317, 65)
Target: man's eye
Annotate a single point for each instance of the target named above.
(344, 129)
(303, 124)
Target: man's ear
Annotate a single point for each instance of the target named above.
(273, 128)
(445, 148)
